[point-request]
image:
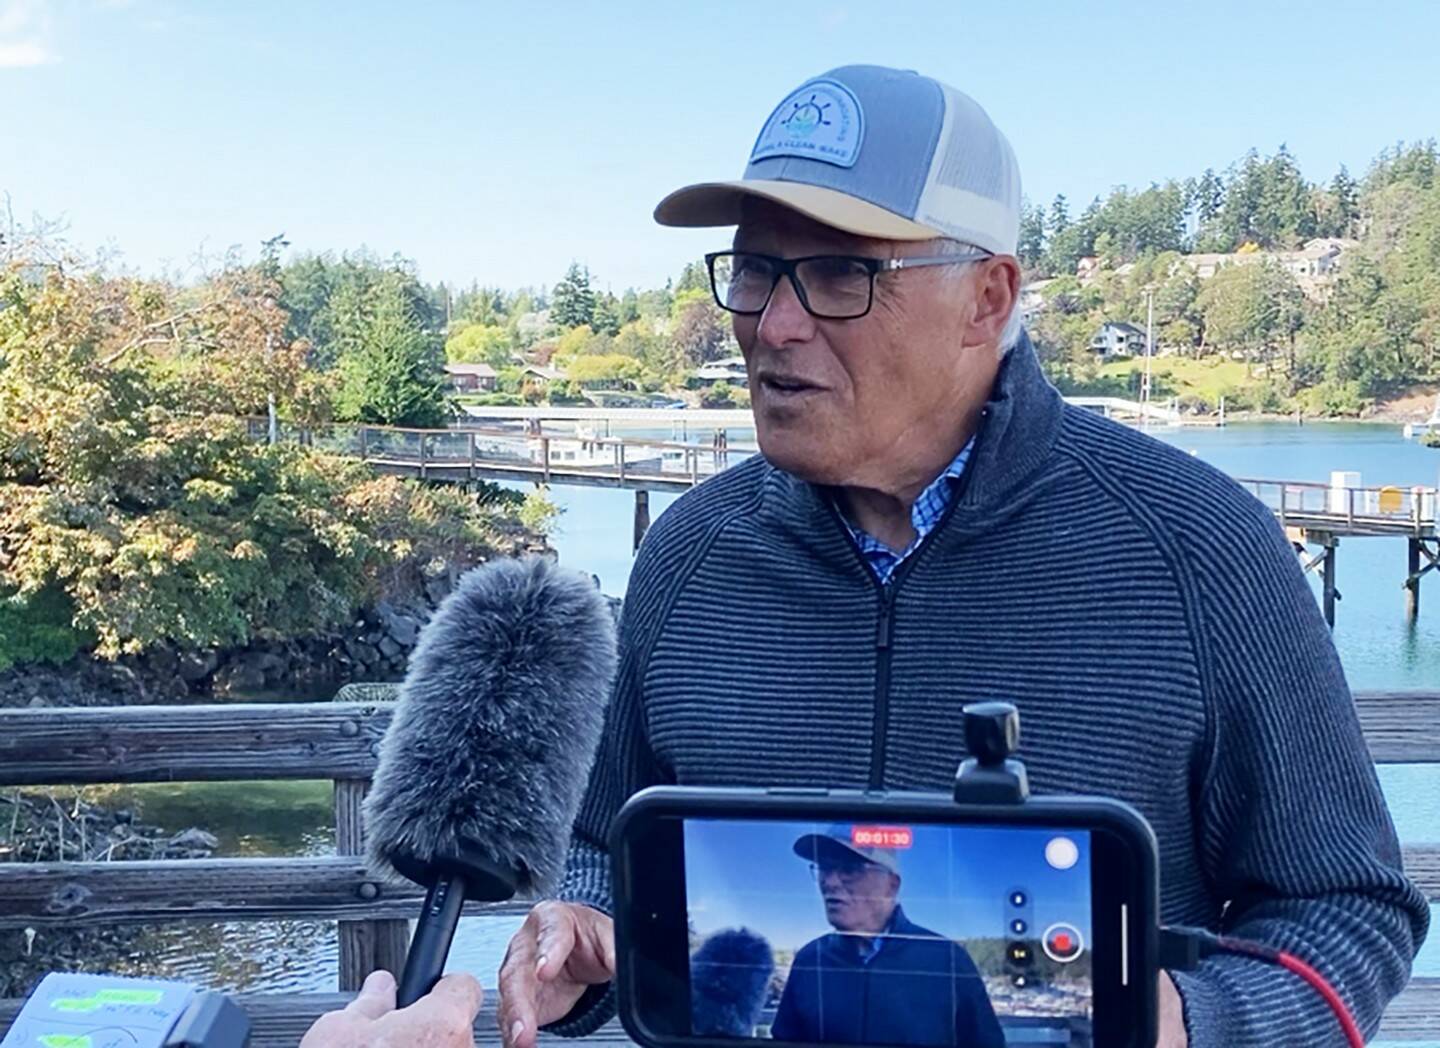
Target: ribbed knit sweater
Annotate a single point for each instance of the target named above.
(1145, 614)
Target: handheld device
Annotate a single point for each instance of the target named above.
(983, 919)
(70, 1010)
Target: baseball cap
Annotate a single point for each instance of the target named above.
(836, 845)
(878, 152)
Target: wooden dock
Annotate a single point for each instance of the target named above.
(1316, 516)
(1320, 515)
(338, 741)
(742, 418)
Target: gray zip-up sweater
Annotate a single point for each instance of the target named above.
(1145, 614)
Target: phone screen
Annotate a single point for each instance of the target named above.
(889, 934)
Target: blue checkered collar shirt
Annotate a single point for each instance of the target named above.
(925, 514)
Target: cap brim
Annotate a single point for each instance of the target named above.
(813, 846)
(719, 204)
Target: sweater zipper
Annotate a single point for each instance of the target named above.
(885, 626)
(884, 637)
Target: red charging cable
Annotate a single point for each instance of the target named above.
(1185, 946)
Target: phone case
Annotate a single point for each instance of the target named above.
(821, 805)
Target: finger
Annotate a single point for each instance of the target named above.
(330, 1028)
(376, 997)
(460, 992)
(555, 942)
(602, 937)
(518, 988)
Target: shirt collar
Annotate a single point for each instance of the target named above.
(929, 506)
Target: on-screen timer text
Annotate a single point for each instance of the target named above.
(882, 836)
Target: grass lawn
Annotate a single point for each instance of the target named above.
(1208, 379)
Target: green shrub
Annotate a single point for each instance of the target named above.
(38, 628)
(724, 395)
(134, 510)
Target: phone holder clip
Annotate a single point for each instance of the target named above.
(991, 775)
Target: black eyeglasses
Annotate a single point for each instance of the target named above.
(830, 287)
(849, 873)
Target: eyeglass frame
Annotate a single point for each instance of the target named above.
(785, 267)
(847, 872)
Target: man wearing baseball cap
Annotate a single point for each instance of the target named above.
(880, 978)
(930, 524)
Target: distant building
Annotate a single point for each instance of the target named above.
(543, 374)
(1032, 301)
(1206, 265)
(470, 378)
(1314, 266)
(730, 369)
(1116, 338)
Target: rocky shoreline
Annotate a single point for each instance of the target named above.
(375, 647)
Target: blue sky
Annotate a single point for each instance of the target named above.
(499, 141)
(954, 880)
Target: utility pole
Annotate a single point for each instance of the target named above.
(274, 427)
(1149, 352)
(270, 266)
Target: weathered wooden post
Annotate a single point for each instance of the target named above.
(1329, 594)
(1412, 580)
(471, 435)
(364, 945)
(642, 516)
(545, 458)
(363, 452)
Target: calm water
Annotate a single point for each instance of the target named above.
(1378, 647)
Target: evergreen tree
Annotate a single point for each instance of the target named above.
(1346, 199)
(1059, 216)
(391, 365)
(694, 277)
(572, 303)
(1209, 195)
(1032, 236)
(605, 320)
(629, 307)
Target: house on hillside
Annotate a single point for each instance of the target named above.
(1314, 266)
(470, 378)
(1116, 339)
(729, 369)
(542, 374)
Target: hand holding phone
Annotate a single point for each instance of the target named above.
(560, 951)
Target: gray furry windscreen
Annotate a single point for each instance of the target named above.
(497, 722)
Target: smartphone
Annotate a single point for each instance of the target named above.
(846, 917)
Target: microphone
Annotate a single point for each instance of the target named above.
(484, 765)
(729, 981)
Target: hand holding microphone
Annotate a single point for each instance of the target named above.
(443, 1018)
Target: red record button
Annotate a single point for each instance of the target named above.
(1063, 943)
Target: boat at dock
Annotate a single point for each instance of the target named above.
(1430, 426)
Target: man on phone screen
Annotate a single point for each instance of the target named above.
(879, 978)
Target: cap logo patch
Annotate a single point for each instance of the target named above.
(821, 120)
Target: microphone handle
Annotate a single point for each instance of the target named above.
(425, 962)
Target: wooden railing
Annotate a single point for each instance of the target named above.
(1391, 509)
(338, 741)
(489, 452)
